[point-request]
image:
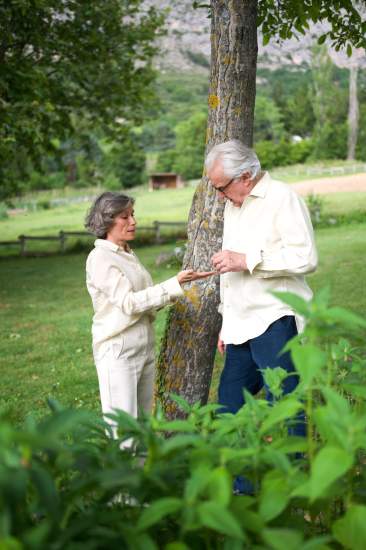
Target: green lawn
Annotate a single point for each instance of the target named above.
(163, 205)
(45, 315)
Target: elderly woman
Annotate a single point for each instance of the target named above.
(124, 300)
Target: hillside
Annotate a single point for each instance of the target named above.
(186, 46)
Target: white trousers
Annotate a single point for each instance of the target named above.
(126, 371)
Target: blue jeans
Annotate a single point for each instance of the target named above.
(243, 364)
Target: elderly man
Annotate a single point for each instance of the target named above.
(268, 245)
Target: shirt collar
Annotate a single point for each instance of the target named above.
(103, 243)
(260, 189)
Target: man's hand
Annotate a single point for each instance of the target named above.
(220, 345)
(227, 260)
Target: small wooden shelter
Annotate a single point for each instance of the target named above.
(167, 180)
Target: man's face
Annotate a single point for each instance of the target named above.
(231, 189)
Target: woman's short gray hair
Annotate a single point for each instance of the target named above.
(236, 159)
(105, 208)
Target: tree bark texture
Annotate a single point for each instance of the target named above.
(188, 348)
(352, 113)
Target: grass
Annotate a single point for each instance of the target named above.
(45, 315)
(45, 341)
(164, 205)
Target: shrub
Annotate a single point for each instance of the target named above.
(3, 211)
(40, 181)
(126, 162)
(44, 204)
(284, 153)
(65, 484)
(315, 206)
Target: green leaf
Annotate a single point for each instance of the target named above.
(280, 412)
(281, 539)
(177, 426)
(322, 39)
(220, 486)
(309, 360)
(249, 520)
(298, 304)
(337, 402)
(317, 543)
(274, 495)
(46, 489)
(350, 530)
(219, 519)
(349, 50)
(179, 442)
(329, 465)
(345, 317)
(176, 546)
(274, 379)
(355, 389)
(10, 543)
(157, 511)
(197, 483)
(144, 542)
(291, 445)
(182, 403)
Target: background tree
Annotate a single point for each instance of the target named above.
(186, 157)
(65, 61)
(353, 63)
(188, 349)
(330, 108)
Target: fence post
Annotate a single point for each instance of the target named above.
(22, 240)
(157, 232)
(62, 237)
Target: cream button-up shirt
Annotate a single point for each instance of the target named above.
(122, 291)
(273, 228)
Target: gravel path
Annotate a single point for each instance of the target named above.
(323, 186)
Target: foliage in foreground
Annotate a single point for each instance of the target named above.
(65, 484)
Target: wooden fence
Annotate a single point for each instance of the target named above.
(63, 236)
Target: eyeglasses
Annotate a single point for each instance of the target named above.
(223, 187)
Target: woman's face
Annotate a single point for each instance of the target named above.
(124, 226)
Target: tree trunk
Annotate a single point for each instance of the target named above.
(188, 348)
(352, 113)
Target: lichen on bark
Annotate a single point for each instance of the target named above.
(188, 347)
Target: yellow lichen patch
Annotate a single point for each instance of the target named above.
(208, 137)
(204, 224)
(237, 110)
(193, 296)
(226, 60)
(213, 101)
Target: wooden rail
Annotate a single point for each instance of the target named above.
(64, 235)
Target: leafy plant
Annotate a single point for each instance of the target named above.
(64, 483)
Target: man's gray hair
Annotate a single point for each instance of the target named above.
(236, 159)
(105, 208)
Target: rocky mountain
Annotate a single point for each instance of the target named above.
(186, 45)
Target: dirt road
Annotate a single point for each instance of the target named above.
(323, 186)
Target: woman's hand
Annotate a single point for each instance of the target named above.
(190, 275)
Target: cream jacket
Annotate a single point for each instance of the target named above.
(122, 291)
(273, 228)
